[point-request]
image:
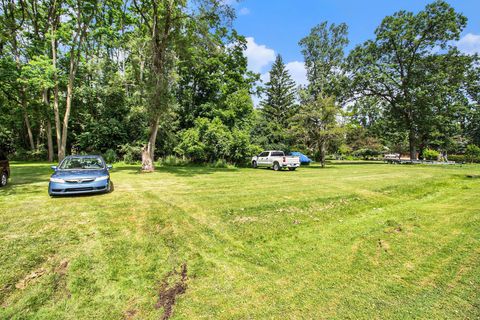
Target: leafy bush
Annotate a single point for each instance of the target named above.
(173, 161)
(39, 154)
(132, 153)
(110, 156)
(220, 163)
(472, 154)
(343, 149)
(430, 154)
(6, 141)
(191, 146)
(366, 153)
(461, 158)
(211, 140)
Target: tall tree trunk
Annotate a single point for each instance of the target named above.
(322, 153)
(22, 94)
(75, 52)
(41, 132)
(66, 117)
(49, 141)
(160, 43)
(148, 153)
(23, 101)
(56, 110)
(49, 126)
(412, 144)
(27, 121)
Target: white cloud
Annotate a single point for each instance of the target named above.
(298, 72)
(469, 44)
(296, 69)
(258, 55)
(265, 77)
(260, 59)
(243, 11)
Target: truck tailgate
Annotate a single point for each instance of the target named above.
(292, 160)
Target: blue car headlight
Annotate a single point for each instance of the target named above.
(102, 178)
(57, 180)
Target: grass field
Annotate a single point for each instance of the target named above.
(351, 241)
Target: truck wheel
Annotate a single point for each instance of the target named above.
(254, 164)
(3, 179)
(276, 166)
(292, 169)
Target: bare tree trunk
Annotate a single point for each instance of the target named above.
(160, 42)
(49, 126)
(322, 153)
(147, 161)
(66, 117)
(27, 123)
(56, 111)
(148, 153)
(74, 59)
(412, 144)
(41, 132)
(49, 141)
(23, 100)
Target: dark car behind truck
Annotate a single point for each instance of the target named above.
(4, 169)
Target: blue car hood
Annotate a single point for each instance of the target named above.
(75, 174)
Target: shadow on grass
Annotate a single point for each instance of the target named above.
(183, 171)
(191, 171)
(28, 174)
(349, 163)
(24, 178)
(80, 195)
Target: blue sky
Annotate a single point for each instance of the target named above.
(276, 26)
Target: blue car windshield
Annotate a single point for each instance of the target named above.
(82, 163)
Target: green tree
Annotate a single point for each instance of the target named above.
(323, 51)
(396, 67)
(316, 125)
(162, 23)
(279, 104)
(472, 153)
(12, 24)
(280, 93)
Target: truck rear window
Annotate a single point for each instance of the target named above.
(277, 154)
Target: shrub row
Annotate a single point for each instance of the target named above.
(461, 158)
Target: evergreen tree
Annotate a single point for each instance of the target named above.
(280, 94)
(279, 104)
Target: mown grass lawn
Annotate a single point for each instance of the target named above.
(356, 241)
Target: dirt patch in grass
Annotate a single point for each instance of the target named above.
(62, 267)
(60, 281)
(129, 314)
(22, 284)
(245, 219)
(383, 245)
(173, 284)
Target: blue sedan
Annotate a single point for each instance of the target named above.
(80, 175)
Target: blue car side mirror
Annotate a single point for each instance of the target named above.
(54, 167)
(109, 167)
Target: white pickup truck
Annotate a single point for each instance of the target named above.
(276, 160)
